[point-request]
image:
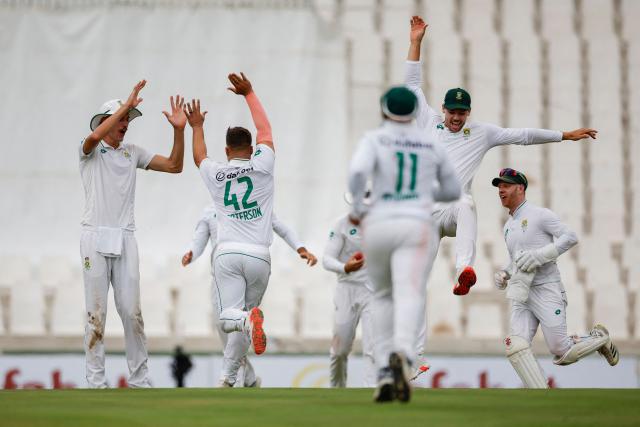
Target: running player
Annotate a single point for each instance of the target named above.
(207, 231)
(242, 191)
(108, 247)
(352, 301)
(408, 170)
(535, 238)
(466, 143)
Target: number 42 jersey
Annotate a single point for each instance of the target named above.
(242, 191)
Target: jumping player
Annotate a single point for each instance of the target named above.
(535, 238)
(207, 231)
(242, 191)
(466, 143)
(108, 247)
(408, 170)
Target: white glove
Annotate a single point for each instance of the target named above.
(528, 261)
(501, 278)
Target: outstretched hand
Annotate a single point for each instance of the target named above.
(133, 100)
(306, 255)
(177, 118)
(194, 116)
(241, 85)
(418, 28)
(186, 258)
(578, 134)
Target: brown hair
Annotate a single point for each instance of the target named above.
(238, 137)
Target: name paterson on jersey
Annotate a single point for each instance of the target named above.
(251, 210)
(411, 194)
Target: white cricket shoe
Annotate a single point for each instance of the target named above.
(609, 351)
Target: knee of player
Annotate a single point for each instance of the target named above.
(558, 347)
(515, 344)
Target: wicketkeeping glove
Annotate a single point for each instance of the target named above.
(501, 278)
(528, 261)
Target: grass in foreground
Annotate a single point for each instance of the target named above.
(317, 407)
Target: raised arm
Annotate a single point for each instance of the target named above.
(177, 119)
(196, 121)
(94, 138)
(413, 72)
(242, 86)
(530, 136)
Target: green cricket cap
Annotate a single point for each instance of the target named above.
(399, 103)
(457, 99)
(510, 176)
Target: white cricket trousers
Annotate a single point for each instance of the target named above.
(246, 374)
(241, 275)
(352, 302)
(399, 260)
(124, 275)
(546, 307)
(459, 220)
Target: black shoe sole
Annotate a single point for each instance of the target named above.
(400, 384)
(385, 393)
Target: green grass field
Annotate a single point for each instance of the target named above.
(317, 407)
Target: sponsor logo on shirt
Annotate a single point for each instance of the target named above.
(352, 231)
(331, 234)
(221, 176)
(257, 153)
(558, 311)
(440, 126)
(102, 150)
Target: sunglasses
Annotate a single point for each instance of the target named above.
(508, 172)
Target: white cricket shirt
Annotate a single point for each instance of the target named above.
(242, 192)
(405, 165)
(109, 181)
(467, 147)
(345, 239)
(532, 227)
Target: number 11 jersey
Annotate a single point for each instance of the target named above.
(242, 191)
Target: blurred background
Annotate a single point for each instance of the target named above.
(319, 67)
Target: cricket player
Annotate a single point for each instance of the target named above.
(466, 144)
(108, 247)
(408, 170)
(343, 256)
(535, 238)
(207, 231)
(242, 191)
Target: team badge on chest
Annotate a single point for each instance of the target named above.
(524, 224)
(87, 263)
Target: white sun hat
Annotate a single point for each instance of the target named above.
(107, 109)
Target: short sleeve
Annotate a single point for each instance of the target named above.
(81, 155)
(143, 157)
(264, 159)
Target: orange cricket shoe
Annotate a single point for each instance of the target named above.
(466, 280)
(258, 337)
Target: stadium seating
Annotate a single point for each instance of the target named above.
(496, 49)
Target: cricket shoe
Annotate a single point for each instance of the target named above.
(609, 351)
(256, 384)
(384, 391)
(225, 384)
(466, 279)
(401, 373)
(253, 326)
